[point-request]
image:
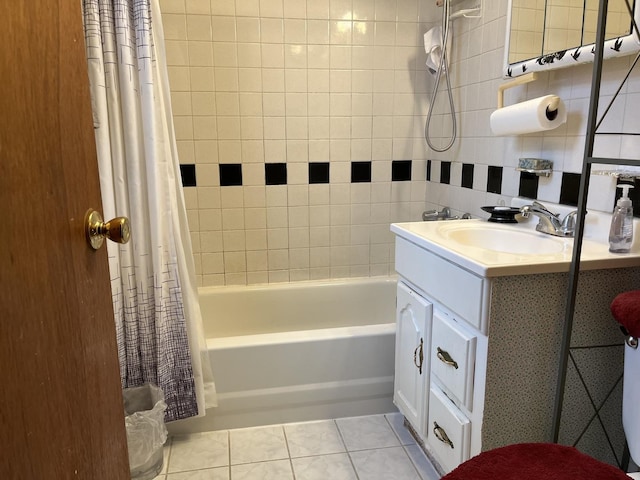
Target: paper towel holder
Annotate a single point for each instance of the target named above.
(552, 108)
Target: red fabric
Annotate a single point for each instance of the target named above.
(626, 310)
(535, 461)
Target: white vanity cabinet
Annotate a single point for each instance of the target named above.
(436, 351)
(486, 329)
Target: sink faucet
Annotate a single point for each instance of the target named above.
(550, 222)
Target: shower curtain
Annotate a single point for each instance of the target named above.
(157, 315)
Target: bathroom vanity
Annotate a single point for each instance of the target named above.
(480, 309)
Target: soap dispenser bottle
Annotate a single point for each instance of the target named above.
(621, 232)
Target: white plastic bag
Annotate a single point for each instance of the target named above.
(144, 409)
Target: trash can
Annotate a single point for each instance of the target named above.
(144, 409)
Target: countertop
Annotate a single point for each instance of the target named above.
(485, 262)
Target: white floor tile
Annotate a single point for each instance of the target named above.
(276, 470)
(324, 467)
(310, 450)
(361, 433)
(198, 451)
(258, 445)
(313, 438)
(397, 423)
(384, 464)
(221, 473)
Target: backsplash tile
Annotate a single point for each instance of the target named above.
(467, 175)
(570, 188)
(494, 179)
(528, 185)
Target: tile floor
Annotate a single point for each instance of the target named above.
(375, 447)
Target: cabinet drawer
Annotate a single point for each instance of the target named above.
(453, 354)
(460, 290)
(449, 430)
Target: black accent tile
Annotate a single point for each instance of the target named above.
(467, 175)
(230, 174)
(494, 180)
(570, 188)
(360, 172)
(188, 174)
(428, 170)
(445, 172)
(400, 170)
(319, 172)
(528, 185)
(634, 194)
(275, 173)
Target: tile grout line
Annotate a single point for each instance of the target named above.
(355, 470)
(229, 452)
(286, 442)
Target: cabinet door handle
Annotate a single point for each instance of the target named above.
(441, 434)
(418, 356)
(445, 358)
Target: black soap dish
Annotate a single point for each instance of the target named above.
(502, 214)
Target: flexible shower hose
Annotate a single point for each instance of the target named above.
(446, 13)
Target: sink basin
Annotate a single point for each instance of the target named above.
(503, 239)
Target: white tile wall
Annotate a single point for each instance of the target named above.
(257, 81)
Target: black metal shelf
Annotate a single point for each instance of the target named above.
(592, 126)
(612, 161)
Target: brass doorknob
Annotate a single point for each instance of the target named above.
(116, 230)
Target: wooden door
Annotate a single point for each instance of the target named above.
(61, 412)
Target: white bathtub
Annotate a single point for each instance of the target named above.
(301, 351)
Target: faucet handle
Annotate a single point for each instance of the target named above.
(569, 222)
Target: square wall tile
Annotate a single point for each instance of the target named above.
(230, 174)
(188, 174)
(275, 173)
(400, 170)
(360, 172)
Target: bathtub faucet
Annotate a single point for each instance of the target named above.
(445, 214)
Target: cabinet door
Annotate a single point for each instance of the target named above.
(413, 315)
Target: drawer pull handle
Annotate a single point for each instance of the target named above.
(445, 358)
(441, 434)
(418, 355)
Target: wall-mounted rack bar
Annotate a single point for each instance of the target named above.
(473, 12)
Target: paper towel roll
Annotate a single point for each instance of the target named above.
(530, 116)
